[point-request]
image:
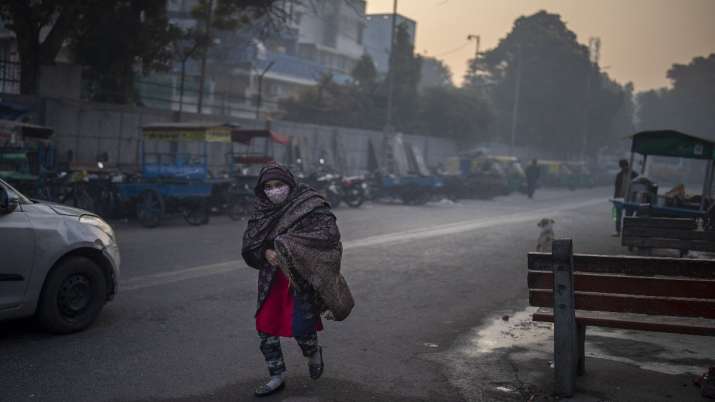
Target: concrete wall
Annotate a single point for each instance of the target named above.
(89, 129)
(61, 80)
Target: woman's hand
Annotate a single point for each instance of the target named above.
(272, 257)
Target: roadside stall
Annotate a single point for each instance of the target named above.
(642, 198)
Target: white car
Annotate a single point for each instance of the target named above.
(57, 263)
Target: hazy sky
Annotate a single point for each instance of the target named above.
(640, 39)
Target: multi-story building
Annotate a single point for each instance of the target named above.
(323, 37)
(320, 38)
(9, 62)
(378, 36)
(330, 33)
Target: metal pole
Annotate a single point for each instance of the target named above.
(706, 184)
(181, 88)
(517, 92)
(202, 78)
(390, 73)
(259, 99)
(710, 182)
(628, 179)
(586, 108)
(477, 38)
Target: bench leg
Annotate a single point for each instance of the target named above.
(581, 345)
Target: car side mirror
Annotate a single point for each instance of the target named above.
(7, 203)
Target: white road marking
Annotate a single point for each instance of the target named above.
(152, 280)
(461, 227)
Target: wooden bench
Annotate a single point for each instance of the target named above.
(637, 293)
(669, 233)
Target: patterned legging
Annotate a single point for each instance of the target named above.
(271, 349)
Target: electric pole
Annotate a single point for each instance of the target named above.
(477, 39)
(259, 100)
(390, 72)
(594, 54)
(517, 93)
(202, 77)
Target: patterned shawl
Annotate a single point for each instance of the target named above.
(304, 233)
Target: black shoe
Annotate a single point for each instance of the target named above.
(316, 370)
(264, 390)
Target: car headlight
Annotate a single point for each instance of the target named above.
(98, 223)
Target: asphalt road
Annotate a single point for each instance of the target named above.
(182, 325)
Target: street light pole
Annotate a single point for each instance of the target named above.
(517, 93)
(181, 87)
(259, 99)
(390, 73)
(476, 38)
(202, 77)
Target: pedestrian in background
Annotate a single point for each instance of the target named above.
(532, 177)
(619, 191)
(292, 239)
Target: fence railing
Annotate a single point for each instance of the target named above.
(9, 76)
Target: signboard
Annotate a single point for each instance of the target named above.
(673, 144)
(198, 134)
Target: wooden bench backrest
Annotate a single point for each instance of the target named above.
(676, 233)
(626, 284)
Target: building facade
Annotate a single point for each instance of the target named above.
(378, 37)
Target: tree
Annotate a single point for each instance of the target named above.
(405, 69)
(113, 36)
(562, 93)
(457, 113)
(434, 74)
(654, 112)
(690, 104)
(119, 39)
(29, 20)
(364, 73)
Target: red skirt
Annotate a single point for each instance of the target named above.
(279, 316)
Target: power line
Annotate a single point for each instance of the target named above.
(456, 49)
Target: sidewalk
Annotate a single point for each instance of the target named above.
(509, 359)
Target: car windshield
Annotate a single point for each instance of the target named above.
(14, 193)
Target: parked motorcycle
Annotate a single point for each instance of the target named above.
(328, 185)
(337, 189)
(354, 190)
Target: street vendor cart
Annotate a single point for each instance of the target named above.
(251, 149)
(173, 181)
(26, 153)
(642, 199)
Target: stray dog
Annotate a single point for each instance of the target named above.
(546, 237)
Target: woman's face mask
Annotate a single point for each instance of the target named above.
(277, 194)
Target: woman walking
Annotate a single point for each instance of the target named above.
(293, 241)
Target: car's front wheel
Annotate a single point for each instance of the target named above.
(73, 296)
